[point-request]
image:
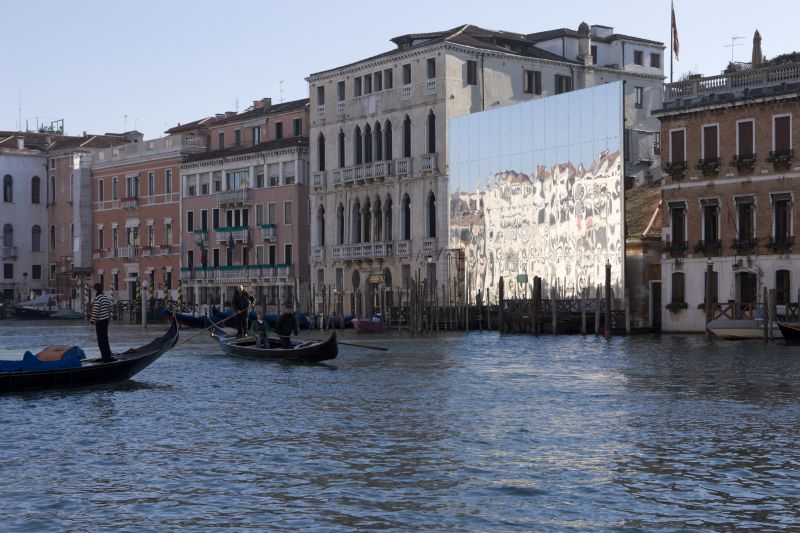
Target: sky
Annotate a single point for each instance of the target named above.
(113, 66)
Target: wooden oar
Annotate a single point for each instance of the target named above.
(347, 344)
(215, 324)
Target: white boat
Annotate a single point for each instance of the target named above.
(735, 330)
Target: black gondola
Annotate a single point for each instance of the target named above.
(305, 352)
(186, 319)
(92, 372)
(790, 331)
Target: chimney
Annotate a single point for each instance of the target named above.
(220, 115)
(266, 103)
(229, 114)
(584, 44)
(20, 142)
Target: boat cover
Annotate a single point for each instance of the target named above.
(71, 359)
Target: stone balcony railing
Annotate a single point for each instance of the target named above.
(430, 87)
(742, 79)
(384, 170)
(429, 163)
(402, 167)
(237, 273)
(167, 249)
(235, 197)
(318, 179)
(131, 202)
(405, 92)
(147, 251)
(9, 252)
(269, 232)
(429, 245)
(337, 177)
(403, 248)
(318, 253)
(341, 108)
(239, 234)
(128, 252)
(321, 112)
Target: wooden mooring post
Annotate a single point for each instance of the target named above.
(583, 311)
(607, 329)
(537, 304)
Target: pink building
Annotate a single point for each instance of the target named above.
(245, 218)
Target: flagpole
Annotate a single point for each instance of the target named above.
(671, 37)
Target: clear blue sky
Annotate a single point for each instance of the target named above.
(164, 62)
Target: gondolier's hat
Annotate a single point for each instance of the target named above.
(98, 287)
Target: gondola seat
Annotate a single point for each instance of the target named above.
(70, 358)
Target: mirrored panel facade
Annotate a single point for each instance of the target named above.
(536, 189)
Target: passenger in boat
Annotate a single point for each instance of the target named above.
(260, 330)
(101, 315)
(287, 324)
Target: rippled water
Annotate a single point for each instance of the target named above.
(476, 432)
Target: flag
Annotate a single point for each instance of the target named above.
(675, 44)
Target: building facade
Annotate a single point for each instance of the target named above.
(729, 193)
(245, 208)
(379, 137)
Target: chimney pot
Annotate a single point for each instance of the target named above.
(21, 142)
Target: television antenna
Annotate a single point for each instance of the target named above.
(733, 44)
(281, 85)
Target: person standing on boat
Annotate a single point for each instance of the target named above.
(101, 315)
(260, 330)
(287, 324)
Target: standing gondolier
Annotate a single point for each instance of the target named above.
(101, 315)
(287, 324)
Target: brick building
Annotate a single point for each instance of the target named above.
(729, 192)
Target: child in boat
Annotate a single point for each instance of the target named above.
(260, 330)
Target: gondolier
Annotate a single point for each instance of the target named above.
(101, 315)
(287, 324)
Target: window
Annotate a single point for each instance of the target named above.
(782, 287)
(745, 139)
(532, 82)
(204, 219)
(321, 95)
(677, 148)
(260, 179)
(220, 140)
(115, 281)
(204, 188)
(782, 135)
(638, 57)
(256, 135)
(340, 91)
(36, 271)
(168, 181)
(782, 217)
(8, 188)
(593, 51)
(745, 215)
(297, 127)
(407, 137)
(710, 221)
(115, 238)
(655, 60)
(387, 78)
(287, 212)
(36, 238)
(8, 235)
(272, 254)
(167, 232)
(677, 215)
(406, 218)
(215, 257)
(101, 241)
(114, 186)
(356, 87)
(656, 143)
(237, 137)
(678, 288)
(151, 183)
(36, 190)
(638, 97)
(287, 254)
(271, 212)
(52, 163)
(151, 235)
(431, 68)
(431, 133)
(192, 190)
(279, 130)
(563, 84)
(132, 186)
(358, 149)
(472, 72)
(341, 148)
(431, 212)
(321, 153)
(368, 84)
(405, 274)
(53, 189)
(215, 218)
(407, 74)
(8, 270)
(710, 143)
(190, 221)
(100, 193)
(378, 77)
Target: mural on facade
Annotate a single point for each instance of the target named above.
(537, 190)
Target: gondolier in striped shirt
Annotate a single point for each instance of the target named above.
(101, 315)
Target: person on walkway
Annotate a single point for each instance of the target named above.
(101, 316)
(287, 324)
(260, 330)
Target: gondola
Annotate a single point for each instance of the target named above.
(790, 331)
(303, 321)
(90, 371)
(306, 352)
(186, 319)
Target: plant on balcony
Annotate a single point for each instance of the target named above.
(781, 246)
(676, 307)
(781, 158)
(164, 246)
(676, 248)
(744, 246)
(708, 248)
(708, 166)
(676, 169)
(744, 162)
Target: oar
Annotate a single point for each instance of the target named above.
(347, 344)
(215, 324)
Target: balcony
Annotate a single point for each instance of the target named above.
(128, 252)
(781, 245)
(709, 165)
(318, 180)
(130, 202)
(98, 253)
(676, 169)
(676, 248)
(744, 246)
(430, 87)
(341, 107)
(269, 232)
(235, 197)
(147, 251)
(428, 245)
(405, 92)
(741, 80)
(320, 112)
(402, 167)
(377, 250)
(708, 248)
(237, 273)
(744, 162)
(337, 177)
(200, 236)
(382, 169)
(9, 252)
(781, 158)
(167, 249)
(358, 173)
(318, 253)
(429, 163)
(238, 233)
(337, 252)
(347, 175)
(403, 249)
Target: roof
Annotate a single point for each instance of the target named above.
(274, 109)
(642, 212)
(566, 32)
(276, 144)
(53, 141)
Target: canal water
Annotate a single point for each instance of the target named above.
(460, 431)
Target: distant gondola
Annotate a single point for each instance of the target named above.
(91, 372)
(306, 352)
(790, 331)
(187, 320)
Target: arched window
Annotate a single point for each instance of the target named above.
(406, 218)
(52, 238)
(321, 153)
(36, 239)
(340, 224)
(377, 217)
(321, 226)
(407, 137)
(367, 144)
(358, 151)
(8, 188)
(387, 140)
(387, 219)
(341, 149)
(431, 133)
(366, 217)
(52, 198)
(8, 235)
(36, 190)
(355, 233)
(378, 142)
(430, 208)
(783, 287)
(72, 236)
